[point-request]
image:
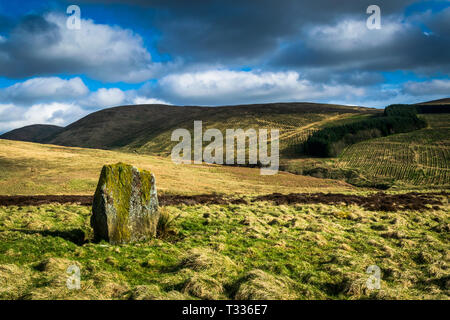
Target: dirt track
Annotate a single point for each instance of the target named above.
(379, 201)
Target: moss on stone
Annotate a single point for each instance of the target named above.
(147, 180)
(122, 189)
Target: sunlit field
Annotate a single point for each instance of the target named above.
(256, 251)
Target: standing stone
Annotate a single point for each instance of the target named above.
(125, 207)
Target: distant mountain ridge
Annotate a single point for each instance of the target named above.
(134, 126)
(34, 133)
(147, 128)
(444, 101)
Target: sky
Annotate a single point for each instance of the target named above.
(211, 53)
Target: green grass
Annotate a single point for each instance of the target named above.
(257, 251)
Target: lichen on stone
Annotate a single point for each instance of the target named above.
(125, 207)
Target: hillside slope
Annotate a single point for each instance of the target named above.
(33, 133)
(147, 128)
(445, 101)
(416, 159)
(115, 127)
(420, 157)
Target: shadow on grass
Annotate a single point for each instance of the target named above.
(77, 236)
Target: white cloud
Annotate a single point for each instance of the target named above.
(59, 101)
(428, 88)
(103, 52)
(38, 89)
(218, 87)
(69, 99)
(7, 113)
(53, 100)
(103, 98)
(111, 53)
(349, 35)
(144, 100)
(13, 116)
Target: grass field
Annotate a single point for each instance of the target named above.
(30, 168)
(257, 251)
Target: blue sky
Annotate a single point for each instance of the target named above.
(216, 52)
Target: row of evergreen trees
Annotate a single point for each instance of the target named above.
(405, 109)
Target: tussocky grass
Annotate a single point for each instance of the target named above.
(256, 251)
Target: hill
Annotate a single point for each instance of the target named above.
(417, 159)
(147, 128)
(420, 157)
(444, 101)
(33, 133)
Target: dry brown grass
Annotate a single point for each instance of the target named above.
(154, 292)
(30, 168)
(259, 285)
(13, 281)
(53, 273)
(205, 259)
(204, 287)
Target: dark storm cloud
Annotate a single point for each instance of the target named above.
(244, 31)
(440, 23)
(406, 51)
(276, 35)
(398, 45)
(18, 55)
(261, 34)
